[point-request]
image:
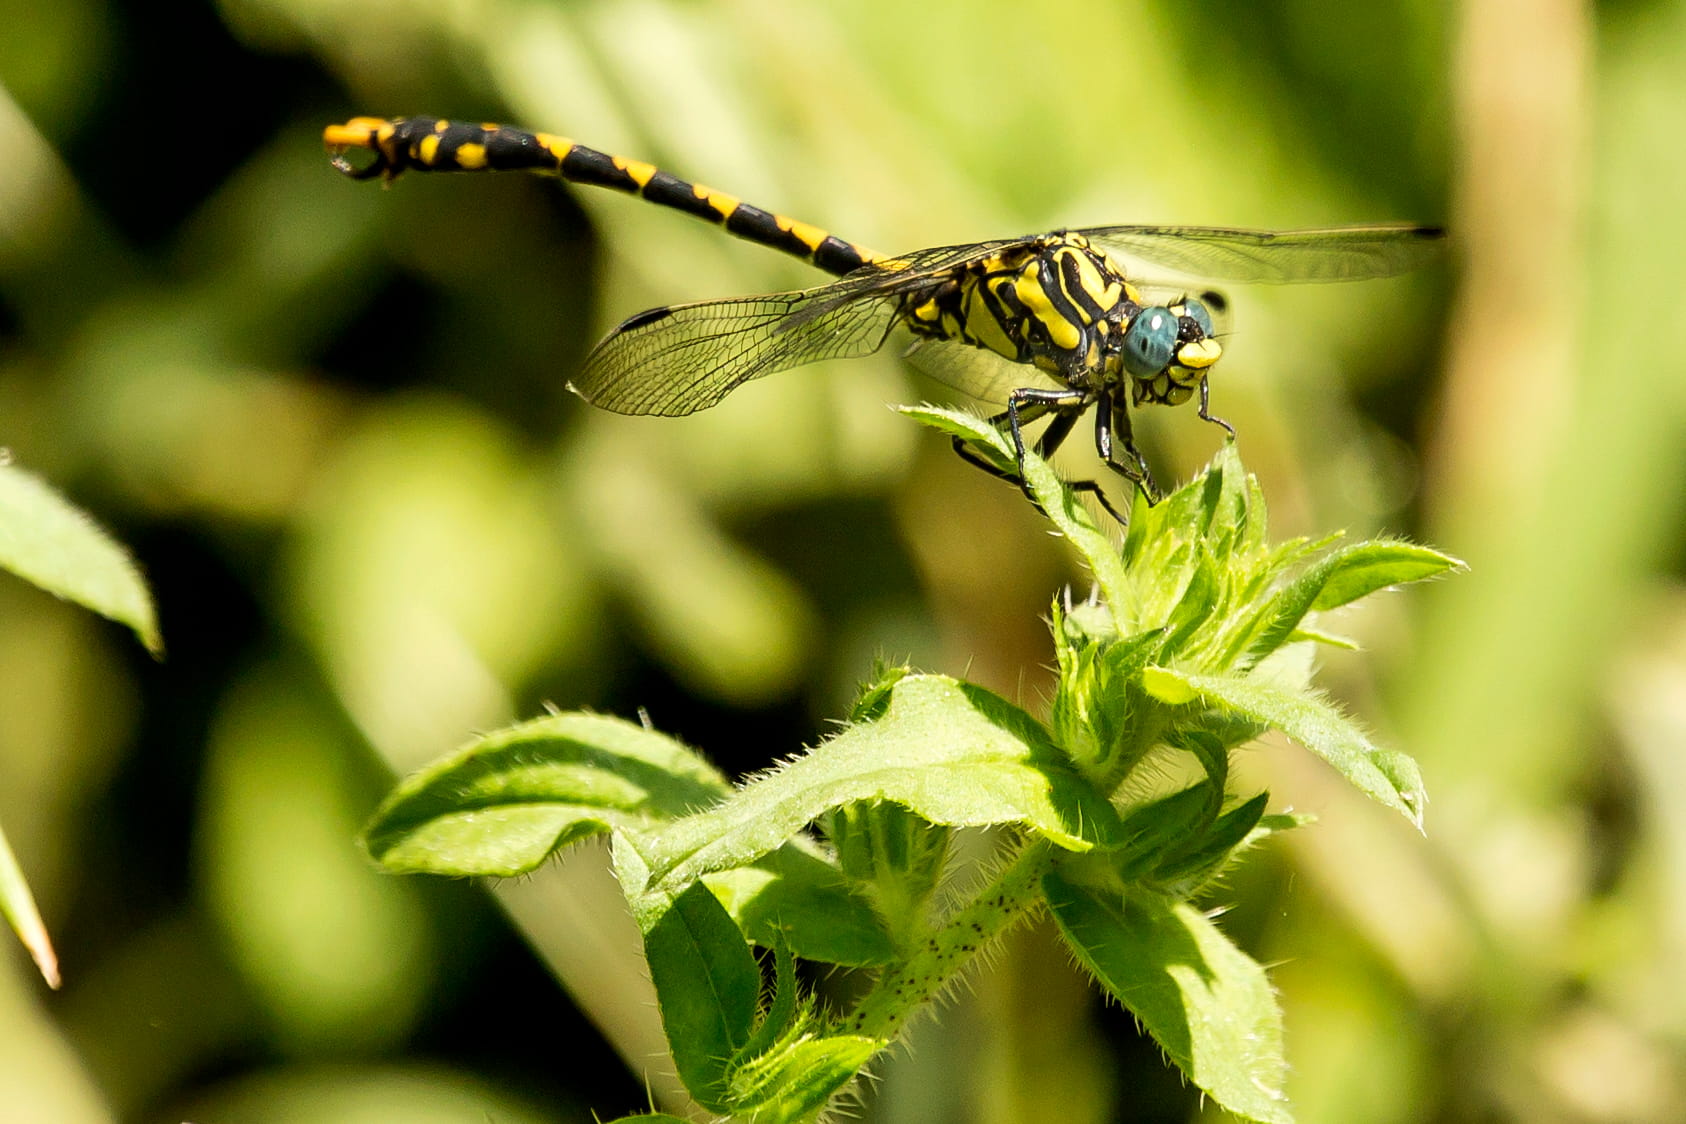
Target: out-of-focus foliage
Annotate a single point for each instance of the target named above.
(329, 421)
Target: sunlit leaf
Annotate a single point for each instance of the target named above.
(1366, 567)
(507, 801)
(1343, 576)
(47, 542)
(1207, 1004)
(800, 898)
(1308, 719)
(792, 1082)
(952, 752)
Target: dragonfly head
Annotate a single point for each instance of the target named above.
(1167, 348)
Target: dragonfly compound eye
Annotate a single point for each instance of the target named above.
(1196, 311)
(1150, 342)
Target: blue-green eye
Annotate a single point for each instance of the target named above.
(1196, 312)
(1150, 342)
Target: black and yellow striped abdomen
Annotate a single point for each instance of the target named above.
(435, 145)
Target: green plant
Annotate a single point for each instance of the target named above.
(1196, 642)
(54, 545)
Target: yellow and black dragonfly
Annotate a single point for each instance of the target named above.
(1047, 325)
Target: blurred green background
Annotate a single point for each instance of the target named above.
(330, 421)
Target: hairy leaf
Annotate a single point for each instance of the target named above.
(1389, 778)
(1205, 1002)
(507, 801)
(952, 752)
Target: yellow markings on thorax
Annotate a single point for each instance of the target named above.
(926, 312)
(428, 150)
(1027, 286)
(471, 157)
(982, 326)
(1099, 288)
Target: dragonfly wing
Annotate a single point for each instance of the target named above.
(896, 277)
(1350, 253)
(687, 357)
(975, 371)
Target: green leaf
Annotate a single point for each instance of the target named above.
(1277, 822)
(1250, 538)
(650, 1118)
(875, 693)
(18, 906)
(781, 1015)
(1342, 576)
(707, 985)
(798, 897)
(1092, 713)
(507, 801)
(797, 1080)
(1058, 502)
(952, 752)
(1167, 686)
(1228, 495)
(1207, 1004)
(1154, 828)
(894, 854)
(1194, 863)
(1366, 567)
(1196, 605)
(1328, 639)
(1389, 777)
(47, 542)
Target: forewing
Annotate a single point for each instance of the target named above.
(687, 357)
(1349, 253)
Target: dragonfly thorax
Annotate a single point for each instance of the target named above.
(1060, 305)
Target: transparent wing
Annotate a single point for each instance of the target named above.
(687, 357)
(895, 277)
(976, 371)
(1348, 253)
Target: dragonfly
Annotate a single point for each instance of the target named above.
(1050, 326)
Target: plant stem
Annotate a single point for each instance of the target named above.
(903, 988)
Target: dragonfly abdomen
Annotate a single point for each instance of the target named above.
(435, 145)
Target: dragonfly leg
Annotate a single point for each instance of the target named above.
(1024, 407)
(1112, 428)
(1052, 438)
(1012, 420)
(1206, 408)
